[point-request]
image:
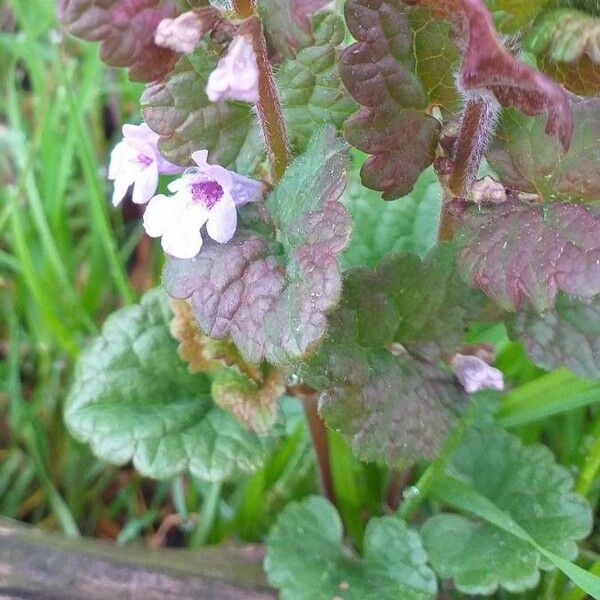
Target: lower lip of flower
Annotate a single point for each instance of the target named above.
(207, 193)
(144, 160)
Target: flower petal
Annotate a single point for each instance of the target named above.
(182, 240)
(145, 184)
(222, 220)
(161, 213)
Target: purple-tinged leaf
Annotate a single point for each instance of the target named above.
(378, 71)
(125, 29)
(288, 24)
(567, 336)
(528, 161)
(273, 302)
(180, 112)
(391, 405)
(488, 66)
(522, 255)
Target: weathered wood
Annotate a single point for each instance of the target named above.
(36, 565)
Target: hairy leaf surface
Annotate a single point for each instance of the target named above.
(390, 405)
(311, 91)
(526, 484)
(378, 71)
(522, 255)
(125, 29)
(132, 398)
(306, 558)
(527, 160)
(567, 336)
(273, 300)
(180, 112)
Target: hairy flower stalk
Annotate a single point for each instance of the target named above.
(268, 105)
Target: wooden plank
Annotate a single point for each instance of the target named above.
(37, 565)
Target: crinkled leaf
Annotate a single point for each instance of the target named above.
(567, 336)
(378, 71)
(527, 160)
(310, 87)
(132, 398)
(275, 307)
(287, 23)
(306, 558)
(203, 354)
(180, 112)
(527, 485)
(125, 29)
(252, 403)
(380, 227)
(390, 405)
(488, 66)
(522, 255)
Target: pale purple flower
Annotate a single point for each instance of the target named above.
(236, 75)
(475, 374)
(136, 161)
(181, 34)
(204, 195)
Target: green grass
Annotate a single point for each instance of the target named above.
(66, 260)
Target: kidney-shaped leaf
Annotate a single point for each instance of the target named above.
(306, 559)
(274, 307)
(522, 255)
(527, 485)
(378, 71)
(567, 336)
(132, 398)
(390, 405)
(125, 29)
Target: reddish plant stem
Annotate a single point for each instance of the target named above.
(318, 434)
(477, 124)
(268, 105)
(446, 229)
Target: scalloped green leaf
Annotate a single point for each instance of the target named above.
(178, 109)
(527, 160)
(522, 255)
(306, 558)
(380, 227)
(522, 482)
(389, 404)
(379, 73)
(273, 299)
(567, 336)
(125, 29)
(132, 398)
(310, 88)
